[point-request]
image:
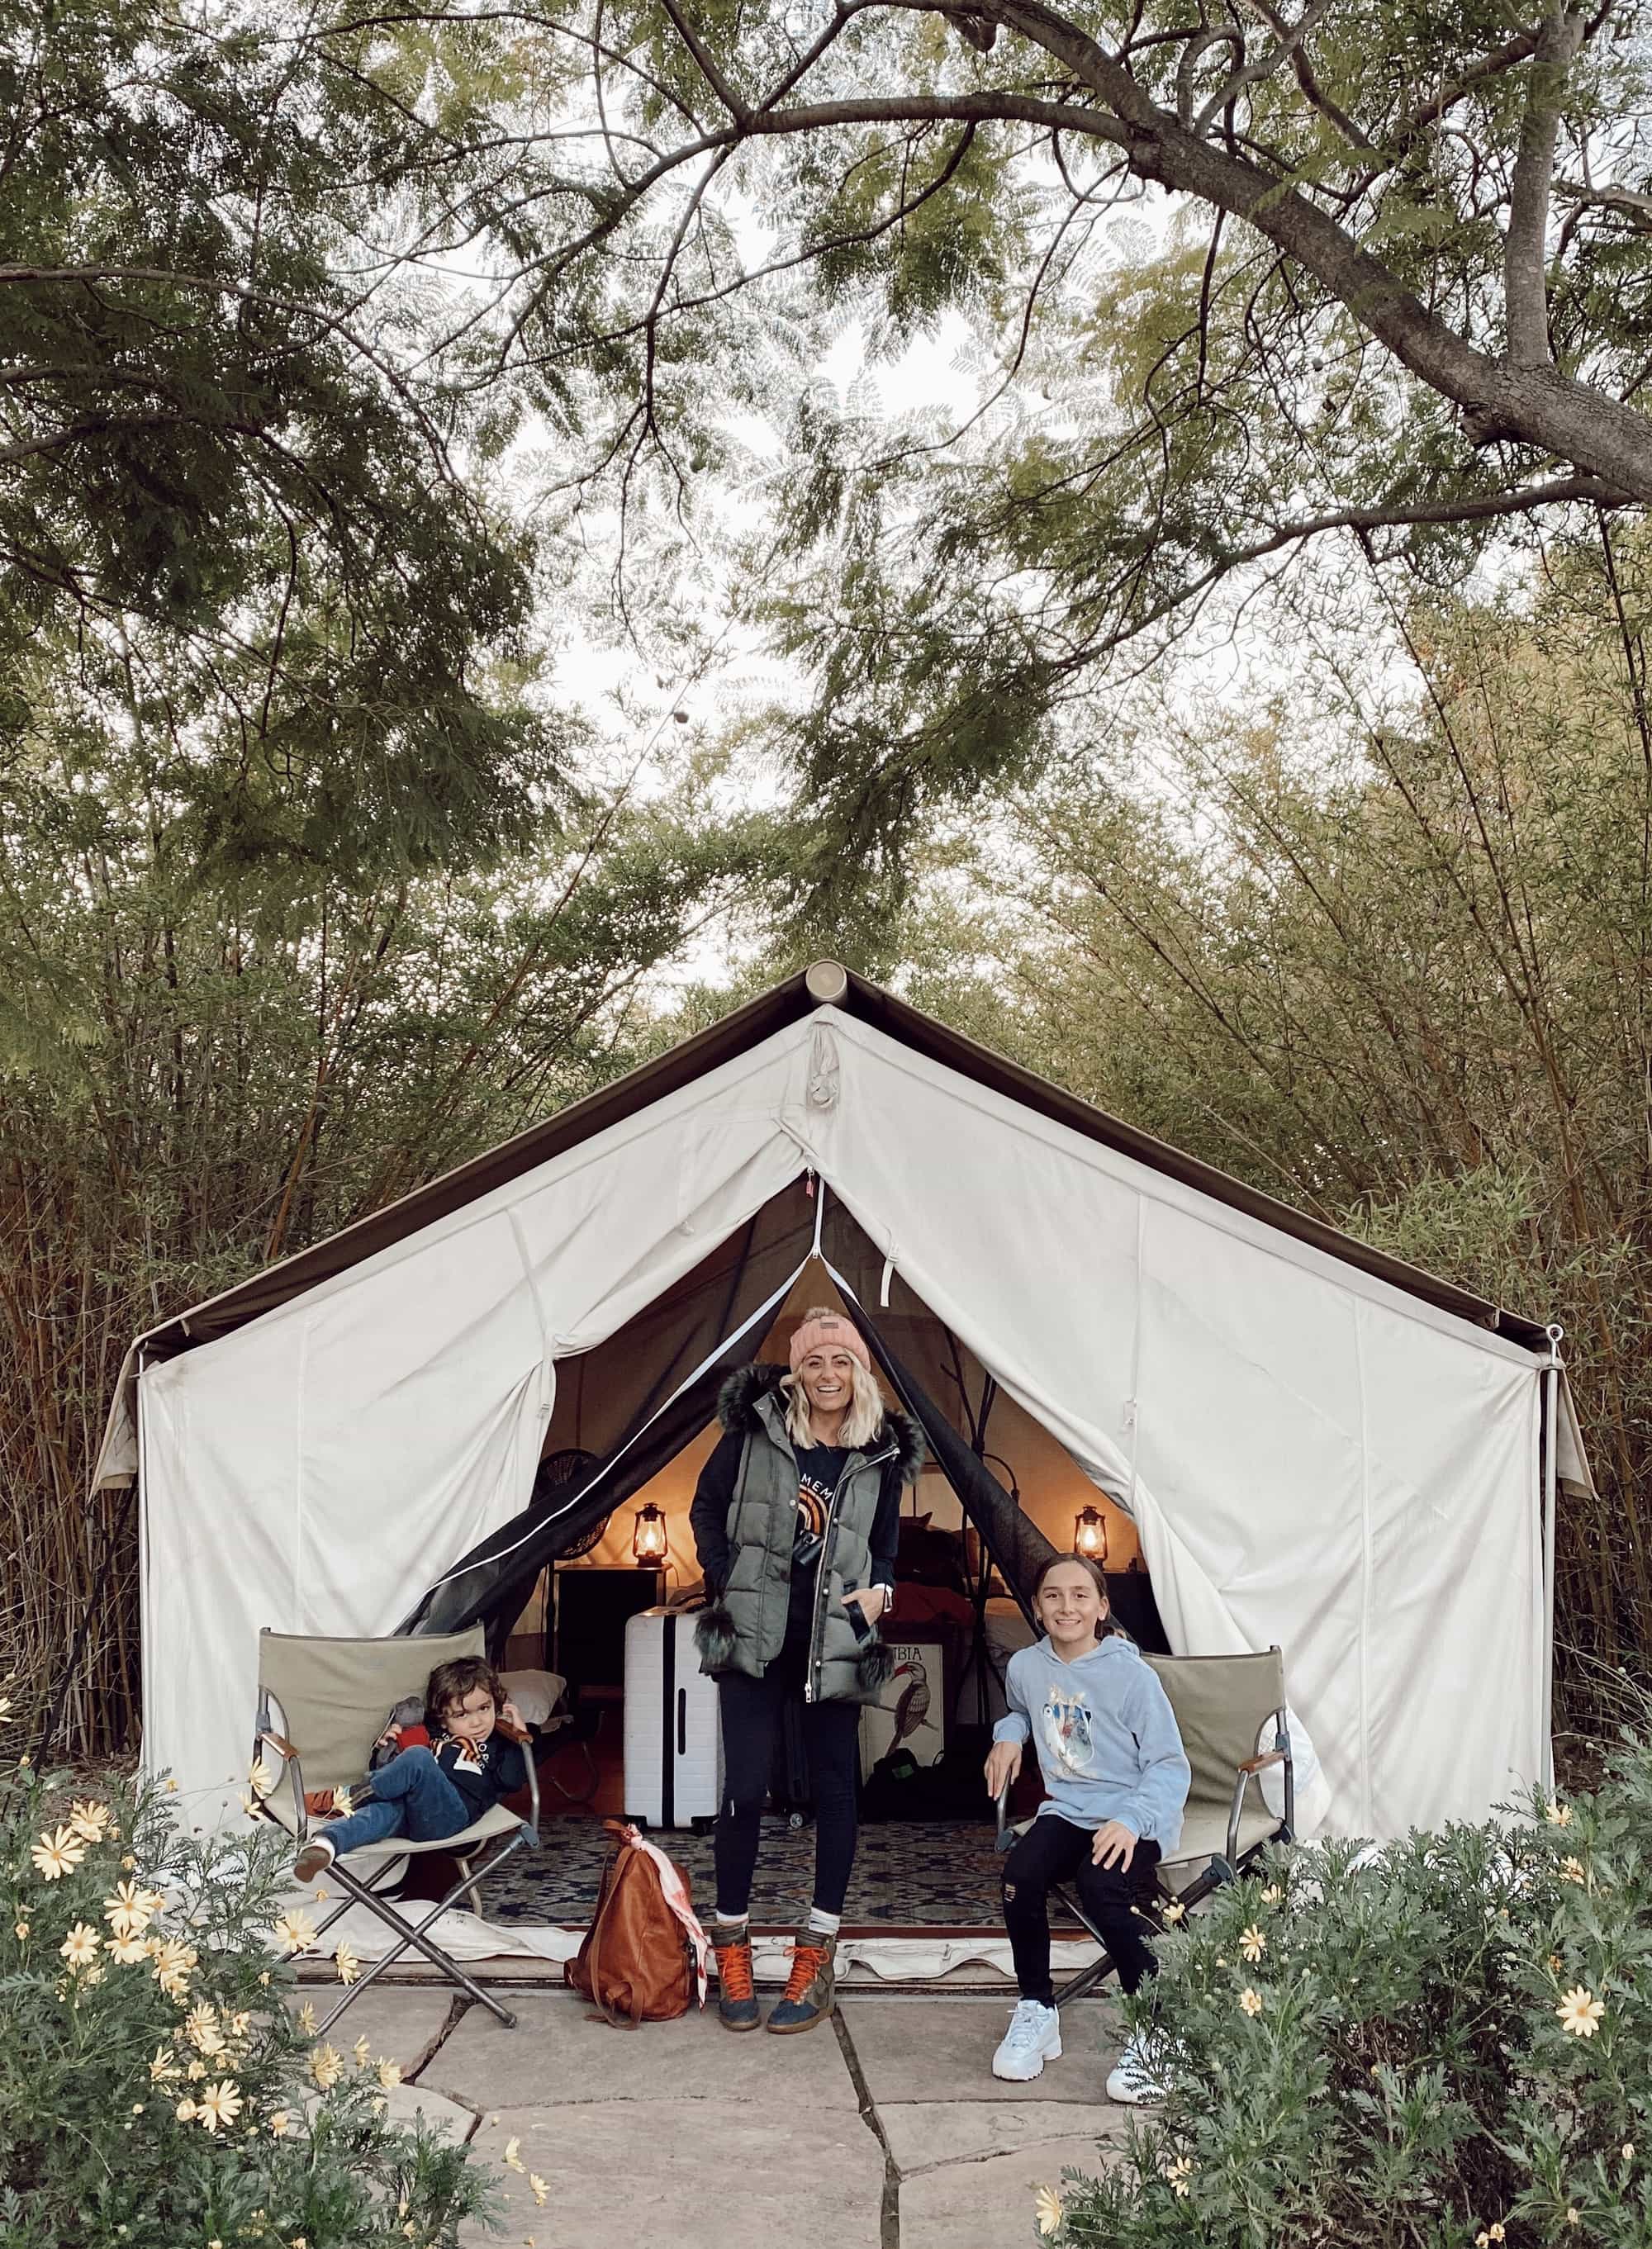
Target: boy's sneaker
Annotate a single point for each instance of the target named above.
(1135, 2077)
(1033, 2038)
(314, 1859)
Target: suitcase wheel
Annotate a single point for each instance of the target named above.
(703, 1824)
(793, 1818)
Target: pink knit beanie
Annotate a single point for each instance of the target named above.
(828, 1328)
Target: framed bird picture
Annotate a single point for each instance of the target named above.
(910, 1713)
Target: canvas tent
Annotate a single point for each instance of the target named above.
(1317, 1445)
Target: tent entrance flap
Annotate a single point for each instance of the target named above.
(492, 1584)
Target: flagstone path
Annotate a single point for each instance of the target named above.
(885, 2130)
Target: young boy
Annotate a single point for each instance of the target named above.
(427, 1793)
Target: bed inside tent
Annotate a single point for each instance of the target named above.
(607, 1534)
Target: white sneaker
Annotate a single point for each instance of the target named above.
(1134, 2077)
(1033, 2038)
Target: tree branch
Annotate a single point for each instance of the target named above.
(1524, 258)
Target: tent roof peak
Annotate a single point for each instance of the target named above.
(824, 984)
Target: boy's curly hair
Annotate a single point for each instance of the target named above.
(450, 1683)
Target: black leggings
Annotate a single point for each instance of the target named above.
(1053, 1850)
(751, 1711)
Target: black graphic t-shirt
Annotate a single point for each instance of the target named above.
(819, 1470)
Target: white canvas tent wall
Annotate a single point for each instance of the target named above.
(1320, 1447)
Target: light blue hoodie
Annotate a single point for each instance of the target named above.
(1105, 1736)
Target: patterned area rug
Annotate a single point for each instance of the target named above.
(908, 1874)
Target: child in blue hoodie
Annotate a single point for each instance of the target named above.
(1117, 1780)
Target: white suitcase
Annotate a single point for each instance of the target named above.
(673, 1744)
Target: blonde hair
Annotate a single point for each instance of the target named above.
(865, 1415)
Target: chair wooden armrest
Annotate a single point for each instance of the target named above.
(1257, 1763)
(279, 1743)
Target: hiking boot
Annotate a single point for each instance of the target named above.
(1033, 2038)
(811, 1987)
(736, 1994)
(314, 1859)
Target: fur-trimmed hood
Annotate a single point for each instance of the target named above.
(737, 1403)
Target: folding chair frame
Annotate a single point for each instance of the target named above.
(360, 1893)
(1225, 1867)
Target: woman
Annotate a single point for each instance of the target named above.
(795, 1520)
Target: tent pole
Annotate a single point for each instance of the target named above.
(1550, 1451)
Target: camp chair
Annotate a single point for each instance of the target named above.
(322, 1705)
(1222, 1704)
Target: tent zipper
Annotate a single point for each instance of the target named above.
(811, 1678)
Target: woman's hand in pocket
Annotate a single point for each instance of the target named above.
(870, 1600)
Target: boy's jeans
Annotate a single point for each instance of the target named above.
(411, 1796)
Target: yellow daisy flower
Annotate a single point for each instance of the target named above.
(58, 1854)
(1250, 2001)
(307, 2020)
(219, 2104)
(362, 2050)
(389, 2073)
(1558, 1814)
(513, 2156)
(80, 1948)
(1174, 1911)
(538, 2188)
(1273, 1894)
(127, 1951)
(1252, 1943)
(185, 2111)
(1047, 2204)
(1581, 2011)
(1572, 1870)
(326, 2066)
(131, 1909)
(21, 1930)
(349, 1966)
(280, 2123)
(203, 2031)
(1573, 2215)
(264, 1778)
(163, 2066)
(1177, 2175)
(343, 1803)
(90, 1820)
(294, 1931)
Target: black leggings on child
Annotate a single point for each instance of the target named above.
(750, 1709)
(1053, 1850)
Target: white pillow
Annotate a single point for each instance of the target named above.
(535, 1693)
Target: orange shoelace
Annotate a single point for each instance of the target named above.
(808, 1960)
(734, 1971)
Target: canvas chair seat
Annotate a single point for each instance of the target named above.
(323, 1704)
(495, 1821)
(1204, 1833)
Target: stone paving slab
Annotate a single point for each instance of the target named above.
(406, 2104)
(942, 2050)
(923, 2135)
(988, 2204)
(402, 2025)
(559, 2052)
(691, 2174)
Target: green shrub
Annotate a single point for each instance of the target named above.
(1451, 2045)
(156, 2091)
